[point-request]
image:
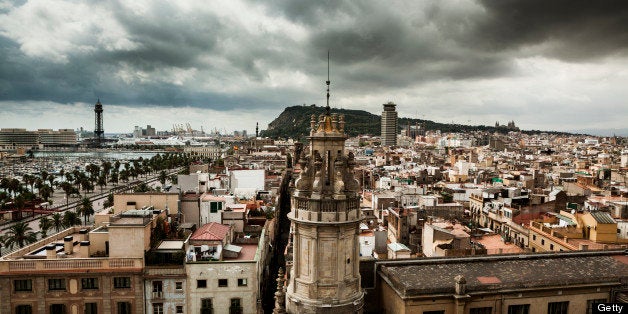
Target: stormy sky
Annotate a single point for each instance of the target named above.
(551, 65)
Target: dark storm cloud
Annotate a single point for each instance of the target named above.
(572, 29)
(175, 54)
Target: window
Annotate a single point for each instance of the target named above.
(178, 285)
(89, 283)
(56, 284)
(201, 283)
(591, 304)
(242, 282)
(91, 308)
(57, 308)
(124, 307)
(122, 282)
(214, 207)
(158, 308)
(179, 309)
(158, 290)
(557, 307)
(23, 309)
(542, 241)
(481, 310)
(534, 237)
(552, 247)
(236, 306)
(223, 283)
(23, 285)
(519, 309)
(206, 306)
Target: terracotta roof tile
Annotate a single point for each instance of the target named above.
(211, 232)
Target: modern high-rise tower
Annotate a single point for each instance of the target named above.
(389, 125)
(99, 132)
(325, 276)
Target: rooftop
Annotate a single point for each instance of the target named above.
(436, 276)
(210, 232)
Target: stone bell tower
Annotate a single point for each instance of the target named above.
(325, 218)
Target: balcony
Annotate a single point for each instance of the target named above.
(158, 295)
(78, 264)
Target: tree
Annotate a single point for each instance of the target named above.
(45, 192)
(68, 189)
(162, 177)
(51, 181)
(86, 209)
(114, 178)
(44, 225)
(20, 234)
(70, 219)
(57, 221)
(109, 201)
(102, 182)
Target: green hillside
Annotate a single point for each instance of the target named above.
(294, 122)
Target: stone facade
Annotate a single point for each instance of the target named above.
(325, 219)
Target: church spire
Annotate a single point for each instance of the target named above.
(327, 82)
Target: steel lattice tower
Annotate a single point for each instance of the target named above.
(99, 132)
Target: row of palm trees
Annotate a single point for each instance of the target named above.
(77, 181)
(21, 234)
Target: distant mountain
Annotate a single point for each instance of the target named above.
(294, 122)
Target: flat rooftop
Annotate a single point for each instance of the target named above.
(247, 253)
(436, 275)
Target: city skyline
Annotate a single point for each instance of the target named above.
(557, 66)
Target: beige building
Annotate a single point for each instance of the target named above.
(81, 270)
(536, 283)
(159, 201)
(223, 271)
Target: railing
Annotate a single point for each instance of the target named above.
(158, 294)
(70, 264)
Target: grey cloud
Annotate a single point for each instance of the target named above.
(573, 29)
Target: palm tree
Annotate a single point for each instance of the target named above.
(86, 208)
(70, 219)
(20, 234)
(44, 175)
(44, 225)
(57, 221)
(51, 181)
(114, 178)
(67, 188)
(15, 186)
(162, 177)
(102, 182)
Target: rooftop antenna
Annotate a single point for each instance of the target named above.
(327, 82)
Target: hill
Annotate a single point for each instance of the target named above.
(294, 122)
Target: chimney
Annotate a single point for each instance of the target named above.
(83, 233)
(68, 245)
(584, 247)
(51, 251)
(84, 250)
